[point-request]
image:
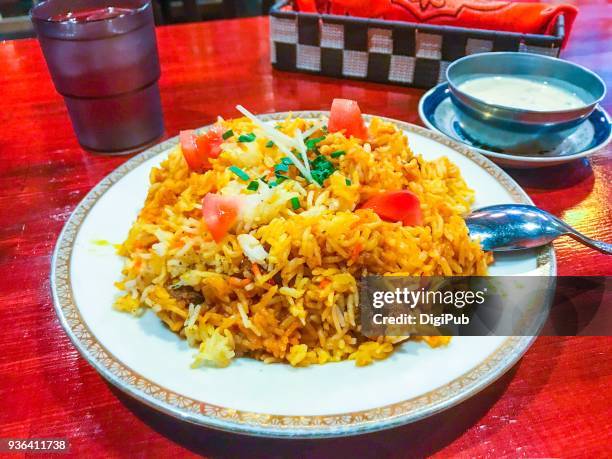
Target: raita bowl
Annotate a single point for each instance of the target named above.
(521, 130)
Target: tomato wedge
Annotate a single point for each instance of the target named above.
(396, 206)
(220, 213)
(210, 142)
(345, 116)
(197, 149)
(189, 147)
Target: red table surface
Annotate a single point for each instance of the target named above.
(555, 402)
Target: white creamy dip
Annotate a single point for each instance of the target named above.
(528, 93)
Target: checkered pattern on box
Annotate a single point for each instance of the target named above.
(390, 54)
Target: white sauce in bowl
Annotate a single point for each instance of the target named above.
(527, 93)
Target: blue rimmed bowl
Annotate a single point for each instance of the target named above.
(517, 130)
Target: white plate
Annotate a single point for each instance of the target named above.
(147, 361)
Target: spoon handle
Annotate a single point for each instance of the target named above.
(603, 247)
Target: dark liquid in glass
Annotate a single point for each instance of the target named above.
(103, 59)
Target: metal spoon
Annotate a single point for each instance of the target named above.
(508, 227)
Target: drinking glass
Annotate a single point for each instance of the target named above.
(102, 57)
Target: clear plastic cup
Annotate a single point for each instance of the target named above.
(102, 56)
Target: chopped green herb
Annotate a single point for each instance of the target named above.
(324, 128)
(348, 182)
(253, 186)
(317, 176)
(337, 154)
(264, 178)
(280, 178)
(295, 203)
(282, 167)
(227, 134)
(312, 143)
(286, 161)
(269, 144)
(246, 137)
(321, 168)
(239, 172)
(321, 162)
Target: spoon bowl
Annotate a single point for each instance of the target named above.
(508, 227)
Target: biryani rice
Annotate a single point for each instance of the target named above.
(298, 301)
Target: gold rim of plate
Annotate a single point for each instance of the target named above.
(264, 424)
